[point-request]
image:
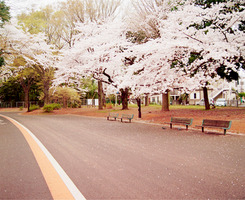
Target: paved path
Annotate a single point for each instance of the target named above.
(114, 160)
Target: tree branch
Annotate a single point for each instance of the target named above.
(107, 75)
(109, 83)
(193, 38)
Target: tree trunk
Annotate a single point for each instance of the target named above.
(100, 94)
(124, 97)
(26, 89)
(139, 106)
(65, 102)
(165, 101)
(26, 97)
(206, 101)
(27, 102)
(187, 99)
(147, 100)
(46, 93)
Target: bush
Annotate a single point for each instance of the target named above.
(21, 107)
(34, 107)
(56, 106)
(51, 107)
(48, 108)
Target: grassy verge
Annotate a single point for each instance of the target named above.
(175, 107)
(158, 107)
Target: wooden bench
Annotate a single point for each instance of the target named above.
(127, 116)
(209, 123)
(112, 115)
(181, 121)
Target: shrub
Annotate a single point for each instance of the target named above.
(34, 107)
(56, 106)
(21, 107)
(51, 107)
(48, 108)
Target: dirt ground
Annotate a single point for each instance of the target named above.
(155, 115)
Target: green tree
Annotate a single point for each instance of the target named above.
(90, 88)
(11, 91)
(4, 13)
(35, 21)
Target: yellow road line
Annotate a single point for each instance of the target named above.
(55, 182)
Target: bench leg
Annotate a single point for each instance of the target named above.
(202, 129)
(224, 131)
(170, 125)
(187, 127)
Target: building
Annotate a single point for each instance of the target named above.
(221, 89)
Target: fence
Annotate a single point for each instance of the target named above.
(7, 105)
(18, 104)
(90, 102)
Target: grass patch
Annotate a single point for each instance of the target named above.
(133, 105)
(192, 107)
(106, 111)
(176, 107)
(157, 107)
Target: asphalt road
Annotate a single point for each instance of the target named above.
(114, 160)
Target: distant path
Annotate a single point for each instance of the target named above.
(114, 160)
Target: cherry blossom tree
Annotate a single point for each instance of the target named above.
(152, 73)
(184, 55)
(105, 52)
(207, 37)
(110, 57)
(216, 38)
(98, 51)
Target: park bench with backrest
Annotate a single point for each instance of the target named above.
(127, 117)
(209, 123)
(180, 121)
(112, 115)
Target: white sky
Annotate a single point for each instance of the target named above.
(19, 6)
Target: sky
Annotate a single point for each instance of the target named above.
(19, 6)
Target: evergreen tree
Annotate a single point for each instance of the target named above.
(4, 17)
